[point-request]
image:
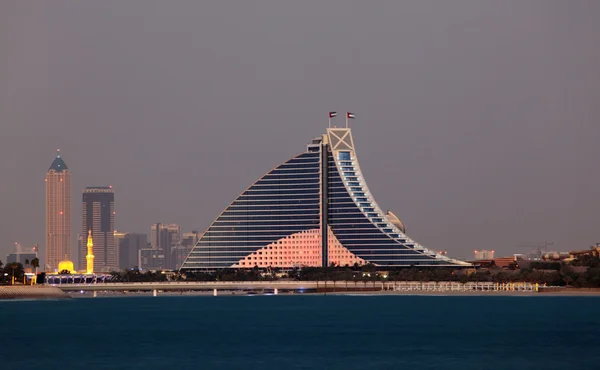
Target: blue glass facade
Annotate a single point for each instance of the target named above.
(289, 200)
(361, 227)
(282, 202)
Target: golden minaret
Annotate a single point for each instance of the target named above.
(90, 254)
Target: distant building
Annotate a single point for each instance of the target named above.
(188, 240)
(165, 238)
(156, 235)
(178, 255)
(185, 246)
(484, 255)
(99, 216)
(81, 244)
(174, 231)
(151, 259)
(129, 248)
(118, 237)
(594, 251)
(58, 213)
(555, 256)
(22, 258)
(505, 261)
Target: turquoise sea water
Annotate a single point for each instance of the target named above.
(302, 332)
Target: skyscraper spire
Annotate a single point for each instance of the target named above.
(58, 164)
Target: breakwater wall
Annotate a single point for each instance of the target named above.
(570, 290)
(31, 292)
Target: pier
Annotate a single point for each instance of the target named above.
(302, 286)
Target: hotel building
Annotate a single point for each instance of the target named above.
(314, 209)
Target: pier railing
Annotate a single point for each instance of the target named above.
(453, 286)
(397, 286)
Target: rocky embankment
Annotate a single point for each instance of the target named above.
(31, 292)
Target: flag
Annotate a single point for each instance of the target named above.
(332, 114)
(350, 115)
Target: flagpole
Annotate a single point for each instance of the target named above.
(346, 119)
(330, 121)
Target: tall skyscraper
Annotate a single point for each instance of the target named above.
(99, 217)
(58, 213)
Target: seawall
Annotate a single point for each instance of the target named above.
(31, 292)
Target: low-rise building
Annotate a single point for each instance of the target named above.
(22, 258)
(484, 255)
(151, 259)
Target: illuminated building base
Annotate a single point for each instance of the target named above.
(300, 250)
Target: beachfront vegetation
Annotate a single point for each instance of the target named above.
(581, 274)
(9, 270)
(137, 276)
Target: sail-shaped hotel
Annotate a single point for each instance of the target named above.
(314, 209)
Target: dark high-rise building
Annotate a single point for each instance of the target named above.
(312, 210)
(129, 247)
(99, 217)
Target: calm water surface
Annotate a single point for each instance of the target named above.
(302, 332)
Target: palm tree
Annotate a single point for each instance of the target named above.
(35, 263)
(19, 271)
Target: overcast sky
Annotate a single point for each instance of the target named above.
(478, 122)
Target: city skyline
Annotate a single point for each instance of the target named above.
(482, 120)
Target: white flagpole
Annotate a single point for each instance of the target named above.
(346, 119)
(330, 121)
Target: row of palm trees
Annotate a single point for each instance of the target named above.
(15, 271)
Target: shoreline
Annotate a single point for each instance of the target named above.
(29, 292)
(569, 293)
(10, 293)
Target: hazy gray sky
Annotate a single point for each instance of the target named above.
(478, 121)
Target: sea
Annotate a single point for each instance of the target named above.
(288, 332)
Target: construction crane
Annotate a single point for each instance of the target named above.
(539, 248)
